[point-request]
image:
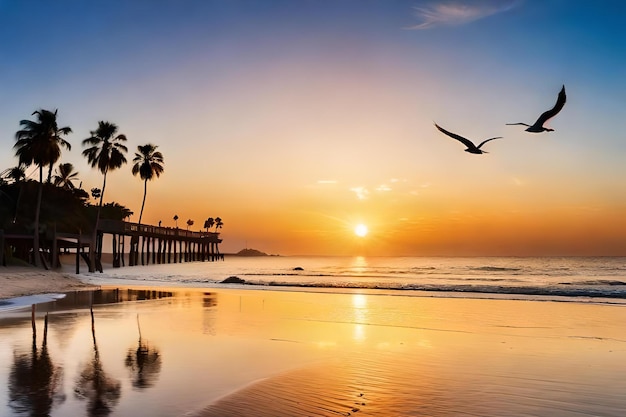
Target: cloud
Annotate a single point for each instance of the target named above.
(361, 192)
(459, 12)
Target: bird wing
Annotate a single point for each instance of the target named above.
(461, 139)
(487, 140)
(560, 102)
(520, 123)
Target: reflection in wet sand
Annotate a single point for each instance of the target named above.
(34, 381)
(281, 353)
(144, 362)
(101, 391)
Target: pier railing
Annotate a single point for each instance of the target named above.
(121, 227)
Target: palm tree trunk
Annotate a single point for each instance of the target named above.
(145, 191)
(37, 211)
(94, 237)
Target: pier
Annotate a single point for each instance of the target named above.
(132, 244)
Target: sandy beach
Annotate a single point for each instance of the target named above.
(258, 352)
(17, 281)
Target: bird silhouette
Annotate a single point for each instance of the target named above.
(538, 127)
(471, 148)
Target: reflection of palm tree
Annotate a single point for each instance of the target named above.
(40, 143)
(65, 175)
(101, 391)
(34, 381)
(144, 363)
(148, 164)
(106, 152)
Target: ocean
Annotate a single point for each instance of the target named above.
(591, 279)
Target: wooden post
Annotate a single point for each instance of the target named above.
(116, 261)
(55, 248)
(78, 249)
(2, 260)
(123, 239)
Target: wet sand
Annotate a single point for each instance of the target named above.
(442, 357)
(233, 352)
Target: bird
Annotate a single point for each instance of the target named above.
(538, 127)
(471, 148)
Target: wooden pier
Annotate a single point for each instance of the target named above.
(132, 244)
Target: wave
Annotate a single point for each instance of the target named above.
(494, 269)
(572, 292)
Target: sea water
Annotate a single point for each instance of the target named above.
(599, 279)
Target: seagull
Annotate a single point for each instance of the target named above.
(471, 148)
(538, 126)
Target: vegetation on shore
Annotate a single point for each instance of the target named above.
(57, 203)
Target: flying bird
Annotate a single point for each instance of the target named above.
(538, 127)
(471, 148)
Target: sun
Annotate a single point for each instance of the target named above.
(360, 230)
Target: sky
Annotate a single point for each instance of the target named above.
(297, 120)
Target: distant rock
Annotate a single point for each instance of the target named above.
(250, 252)
(233, 280)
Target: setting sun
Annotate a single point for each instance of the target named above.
(360, 230)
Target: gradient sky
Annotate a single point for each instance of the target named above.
(295, 120)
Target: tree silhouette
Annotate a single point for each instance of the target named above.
(189, 223)
(95, 193)
(15, 174)
(148, 164)
(208, 223)
(65, 175)
(39, 142)
(106, 152)
(218, 223)
(176, 220)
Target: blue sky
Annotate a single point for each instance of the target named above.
(320, 113)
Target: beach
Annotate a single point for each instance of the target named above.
(176, 351)
(18, 281)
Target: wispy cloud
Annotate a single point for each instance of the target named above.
(459, 12)
(361, 192)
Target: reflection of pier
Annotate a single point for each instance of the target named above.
(146, 245)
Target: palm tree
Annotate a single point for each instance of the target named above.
(106, 152)
(16, 174)
(218, 223)
(65, 175)
(39, 142)
(208, 223)
(189, 223)
(95, 193)
(148, 164)
(176, 220)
